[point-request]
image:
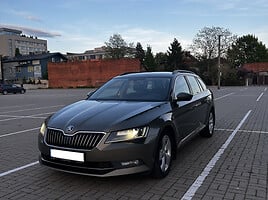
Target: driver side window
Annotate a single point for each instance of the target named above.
(181, 86)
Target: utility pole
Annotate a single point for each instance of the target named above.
(219, 63)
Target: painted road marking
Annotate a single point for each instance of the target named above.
(21, 117)
(18, 169)
(8, 107)
(247, 131)
(200, 179)
(223, 96)
(29, 109)
(259, 97)
(13, 117)
(18, 132)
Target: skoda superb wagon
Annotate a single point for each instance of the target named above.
(132, 124)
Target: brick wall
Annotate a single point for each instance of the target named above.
(88, 73)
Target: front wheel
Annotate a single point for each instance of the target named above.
(163, 157)
(4, 92)
(209, 129)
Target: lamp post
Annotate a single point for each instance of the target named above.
(219, 62)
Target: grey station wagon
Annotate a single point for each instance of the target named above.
(132, 124)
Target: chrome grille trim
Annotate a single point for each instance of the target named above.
(85, 140)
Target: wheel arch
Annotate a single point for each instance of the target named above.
(169, 129)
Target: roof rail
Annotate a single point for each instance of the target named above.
(182, 71)
(125, 73)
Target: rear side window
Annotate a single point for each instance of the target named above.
(203, 85)
(194, 85)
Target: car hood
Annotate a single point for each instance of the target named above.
(104, 116)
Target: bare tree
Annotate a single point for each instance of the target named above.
(117, 48)
(205, 43)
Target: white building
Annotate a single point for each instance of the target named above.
(11, 39)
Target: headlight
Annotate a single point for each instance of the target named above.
(127, 135)
(43, 129)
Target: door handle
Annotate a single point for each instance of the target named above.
(197, 104)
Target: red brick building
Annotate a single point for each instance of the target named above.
(90, 73)
(257, 73)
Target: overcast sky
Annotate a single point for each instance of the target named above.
(80, 25)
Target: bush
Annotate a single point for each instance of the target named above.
(231, 79)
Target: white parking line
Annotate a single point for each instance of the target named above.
(32, 109)
(20, 117)
(223, 96)
(8, 107)
(224, 129)
(48, 113)
(259, 97)
(14, 133)
(200, 179)
(14, 117)
(247, 131)
(18, 169)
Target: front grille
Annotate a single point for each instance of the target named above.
(81, 140)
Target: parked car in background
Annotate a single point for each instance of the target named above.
(11, 88)
(133, 123)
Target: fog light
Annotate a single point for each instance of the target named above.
(131, 163)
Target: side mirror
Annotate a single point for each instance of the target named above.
(184, 97)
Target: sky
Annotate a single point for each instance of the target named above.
(79, 25)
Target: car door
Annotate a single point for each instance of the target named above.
(9, 88)
(199, 101)
(15, 89)
(183, 112)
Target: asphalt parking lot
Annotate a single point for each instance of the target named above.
(233, 164)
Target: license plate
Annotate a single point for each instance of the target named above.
(67, 155)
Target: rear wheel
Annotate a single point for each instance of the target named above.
(4, 92)
(22, 91)
(163, 157)
(209, 129)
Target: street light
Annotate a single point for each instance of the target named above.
(219, 62)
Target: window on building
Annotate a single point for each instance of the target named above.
(30, 69)
(18, 69)
(10, 47)
(36, 62)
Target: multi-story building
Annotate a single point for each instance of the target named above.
(95, 54)
(29, 67)
(11, 39)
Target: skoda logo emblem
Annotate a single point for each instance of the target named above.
(69, 129)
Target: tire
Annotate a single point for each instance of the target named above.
(22, 91)
(4, 92)
(163, 157)
(209, 129)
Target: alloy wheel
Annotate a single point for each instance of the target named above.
(165, 153)
(211, 123)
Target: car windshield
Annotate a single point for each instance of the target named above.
(134, 89)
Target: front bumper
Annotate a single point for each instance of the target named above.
(104, 169)
(104, 160)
